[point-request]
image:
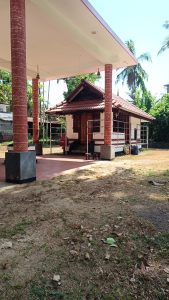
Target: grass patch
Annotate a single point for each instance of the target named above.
(159, 241)
(20, 228)
(119, 293)
(166, 173)
(5, 277)
(49, 292)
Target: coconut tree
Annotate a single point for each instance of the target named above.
(165, 45)
(135, 76)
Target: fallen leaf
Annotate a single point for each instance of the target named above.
(166, 270)
(74, 252)
(143, 268)
(107, 256)
(87, 255)
(56, 278)
(132, 279)
(110, 241)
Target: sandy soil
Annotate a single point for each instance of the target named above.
(60, 227)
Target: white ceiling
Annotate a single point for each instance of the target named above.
(64, 38)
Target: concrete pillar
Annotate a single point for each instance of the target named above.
(18, 66)
(35, 110)
(107, 150)
(20, 165)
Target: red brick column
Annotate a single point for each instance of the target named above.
(35, 98)
(18, 66)
(108, 105)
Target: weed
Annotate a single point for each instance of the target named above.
(119, 293)
(17, 287)
(166, 173)
(151, 173)
(57, 233)
(5, 277)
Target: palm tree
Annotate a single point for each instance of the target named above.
(134, 75)
(165, 45)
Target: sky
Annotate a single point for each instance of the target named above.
(142, 21)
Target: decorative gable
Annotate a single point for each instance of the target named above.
(85, 91)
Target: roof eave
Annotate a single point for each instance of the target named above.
(108, 28)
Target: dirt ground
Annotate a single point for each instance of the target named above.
(102, 231)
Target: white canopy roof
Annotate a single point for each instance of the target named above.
(64, 38)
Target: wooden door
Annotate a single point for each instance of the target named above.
(85, 117)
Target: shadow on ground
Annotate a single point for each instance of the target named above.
(60, 227)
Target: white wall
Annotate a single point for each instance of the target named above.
(69, 128)
(3, 107)
(135, 123)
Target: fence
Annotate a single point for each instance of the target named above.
(124, 132)
(55, 133)
(144, 135)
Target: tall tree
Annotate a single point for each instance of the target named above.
(6, 91)
(144, 100)
(159, 129)
(165, 45)
(73, 82)
(135, 76)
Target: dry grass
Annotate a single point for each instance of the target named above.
(59, 227)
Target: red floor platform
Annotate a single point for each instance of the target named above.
(49, 166)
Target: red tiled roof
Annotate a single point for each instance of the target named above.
(66, 107)
(128, 106)
(97, 104)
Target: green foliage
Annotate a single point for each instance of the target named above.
(159, 129)
(135, 76)
(144, 100)
(62, 121)
(29, 97)
(165, 44)
(5, 88)
(6, 91)
(73, 82)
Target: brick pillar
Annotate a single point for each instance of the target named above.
(18, 66)
(108, 105)
(35, 98)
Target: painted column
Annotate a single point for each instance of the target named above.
(108, 105)
(35, 110)
(20, 164)
(18, 66)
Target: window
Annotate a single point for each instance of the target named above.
(96, 121)
(135, 133)
(120, 123)
(118, 126)
(76, 123)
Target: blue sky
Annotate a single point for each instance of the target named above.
(142, 22)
